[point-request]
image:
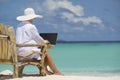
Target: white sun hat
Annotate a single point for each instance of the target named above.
(29, 13)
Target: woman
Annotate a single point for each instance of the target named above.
(27, 33)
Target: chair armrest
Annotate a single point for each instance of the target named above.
(3, 36)
(49, 46)
(29, 45)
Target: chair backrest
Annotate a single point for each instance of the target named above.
(7, 45)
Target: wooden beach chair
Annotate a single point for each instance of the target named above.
(8, 53)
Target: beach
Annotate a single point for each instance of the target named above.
(53, 77)
(7, 75)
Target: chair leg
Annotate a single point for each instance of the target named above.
(20, 70)
(42, 71)
(15, 72)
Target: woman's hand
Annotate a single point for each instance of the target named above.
(48, 44)
(46, 41)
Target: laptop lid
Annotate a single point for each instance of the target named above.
(51, 37)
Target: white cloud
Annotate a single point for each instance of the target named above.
(86, 21)
(77, 10)
(69, 12)
(50, 5)
(89, 20)
(53, 5)
(75, 14)
(68, 16)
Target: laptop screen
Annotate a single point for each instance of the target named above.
(51, 37)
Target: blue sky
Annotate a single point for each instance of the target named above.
(73, 20)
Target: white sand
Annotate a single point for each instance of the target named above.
(6, 72)
(56, 77)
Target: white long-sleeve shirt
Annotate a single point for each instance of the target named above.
(27, 33)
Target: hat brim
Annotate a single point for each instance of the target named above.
(28, 17)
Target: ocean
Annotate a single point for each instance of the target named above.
(83, 59)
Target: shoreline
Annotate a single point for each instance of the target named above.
(56, 77)
(7, 75)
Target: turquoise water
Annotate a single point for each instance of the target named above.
(79, 58)
(87, 57)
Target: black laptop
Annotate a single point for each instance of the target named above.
(51, 37)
